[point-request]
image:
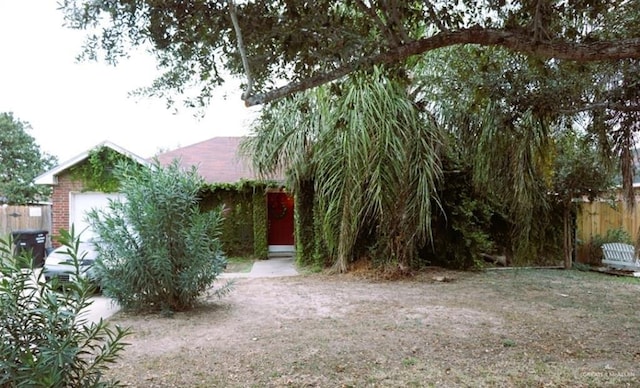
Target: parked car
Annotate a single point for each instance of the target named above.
(59, 264)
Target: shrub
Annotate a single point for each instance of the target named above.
(158, 250)
(461, 231)
(44, 339)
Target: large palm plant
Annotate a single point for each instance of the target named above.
(379, 169)
(372, 155)
(510, 116)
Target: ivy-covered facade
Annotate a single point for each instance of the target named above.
(230, 183)
(245, 224)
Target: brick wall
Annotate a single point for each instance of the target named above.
(60, 207)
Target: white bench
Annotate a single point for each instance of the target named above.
(620, 256)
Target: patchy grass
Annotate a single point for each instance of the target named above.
(519, 328)
(239, 264)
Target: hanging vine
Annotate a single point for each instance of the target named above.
(97, 172)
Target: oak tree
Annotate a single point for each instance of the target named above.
(300, 44)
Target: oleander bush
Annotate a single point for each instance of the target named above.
(45, 339)
(157, 249)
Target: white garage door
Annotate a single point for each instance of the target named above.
(81, 203)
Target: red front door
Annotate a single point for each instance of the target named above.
(280, 213)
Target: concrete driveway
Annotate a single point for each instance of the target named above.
(102, 307)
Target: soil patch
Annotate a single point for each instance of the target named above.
(500, 328)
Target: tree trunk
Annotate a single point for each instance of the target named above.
(568, 236)
(345, 240)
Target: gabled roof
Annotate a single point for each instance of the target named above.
(217, 160)
(51, 177)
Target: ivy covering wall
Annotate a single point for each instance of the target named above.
(260, 224)
(244, 231)
(97, 171)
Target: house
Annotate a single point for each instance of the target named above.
(258, 214)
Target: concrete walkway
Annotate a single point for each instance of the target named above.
(274, 267)
(103, 307)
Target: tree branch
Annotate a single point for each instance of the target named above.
(538, 28)
(393, 18)
(243, 54)
(515, 41)
(603, 105)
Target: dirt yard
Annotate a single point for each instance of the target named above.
(511, 328)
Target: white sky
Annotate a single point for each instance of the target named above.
(74, 106)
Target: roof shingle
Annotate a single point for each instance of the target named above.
(217, 160)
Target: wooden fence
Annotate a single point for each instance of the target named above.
(597, 217)
(31, 217)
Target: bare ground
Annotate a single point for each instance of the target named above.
(546, 328)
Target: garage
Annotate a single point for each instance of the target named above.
(71, 199)
(82, 203)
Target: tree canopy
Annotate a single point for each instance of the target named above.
(503, 124)
(301, 44)
(20, 162)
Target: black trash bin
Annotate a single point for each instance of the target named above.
(32, 241)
